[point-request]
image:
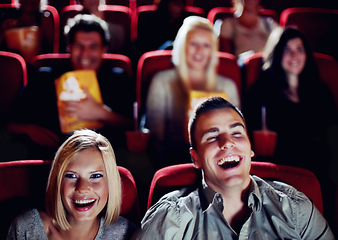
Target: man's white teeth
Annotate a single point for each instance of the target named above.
(84, 201)
(228, 159)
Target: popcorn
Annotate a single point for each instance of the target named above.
(71, 90)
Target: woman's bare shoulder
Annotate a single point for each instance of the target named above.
(47, 221)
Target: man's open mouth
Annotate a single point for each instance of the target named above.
(229, 162)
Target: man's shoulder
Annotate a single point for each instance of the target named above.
(180, 196)
(176, 200)
(278, 189)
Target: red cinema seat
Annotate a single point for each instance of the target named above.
(210, 4)
(185, 175)
(328, 69)
(224, 12)
(145, 12)
(252, 68)
(58, 62)
(13, 79)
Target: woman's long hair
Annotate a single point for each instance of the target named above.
(274, 49)
(179, 51)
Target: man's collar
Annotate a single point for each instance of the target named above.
(208, 196)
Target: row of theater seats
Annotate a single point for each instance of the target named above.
(318, 24)
(23, 184)
(136, 3)
(14, 77)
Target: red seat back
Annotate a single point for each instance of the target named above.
(148, 65)
(252, 68)
(185, 175)
(58, 61)
(210, 4)
(144, 12)
(328, 69)
(225, 12)
(13, 79)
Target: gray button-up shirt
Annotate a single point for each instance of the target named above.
(279, 211)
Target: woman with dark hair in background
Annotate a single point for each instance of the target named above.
(299, 106)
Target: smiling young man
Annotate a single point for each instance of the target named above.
(230, 203)
(87, 37)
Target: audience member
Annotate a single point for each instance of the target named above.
(119, 40)
(159, 29)
(247, 31)
(171, 92)
(88, 38)
(291, 90)
(83, 196)
(299, 107)
(24, 31)
(230, 203)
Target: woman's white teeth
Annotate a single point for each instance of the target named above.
(228, 160)
(84, 201)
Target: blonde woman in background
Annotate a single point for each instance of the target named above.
(83, 195)
(195, 59)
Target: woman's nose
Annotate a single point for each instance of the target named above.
(82, 185)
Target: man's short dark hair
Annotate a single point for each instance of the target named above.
(86, 23)
(210, 104)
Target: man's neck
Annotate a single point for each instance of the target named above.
(236, 210)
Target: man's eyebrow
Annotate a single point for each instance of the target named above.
(237, 124)
(208, 132)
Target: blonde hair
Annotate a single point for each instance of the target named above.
(81, 140)
(270, 46)
(190, 24)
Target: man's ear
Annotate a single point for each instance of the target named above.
(194, 157)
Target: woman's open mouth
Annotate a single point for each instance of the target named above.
(83, 205)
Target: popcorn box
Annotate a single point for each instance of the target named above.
(26, 40)
(69, 87)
